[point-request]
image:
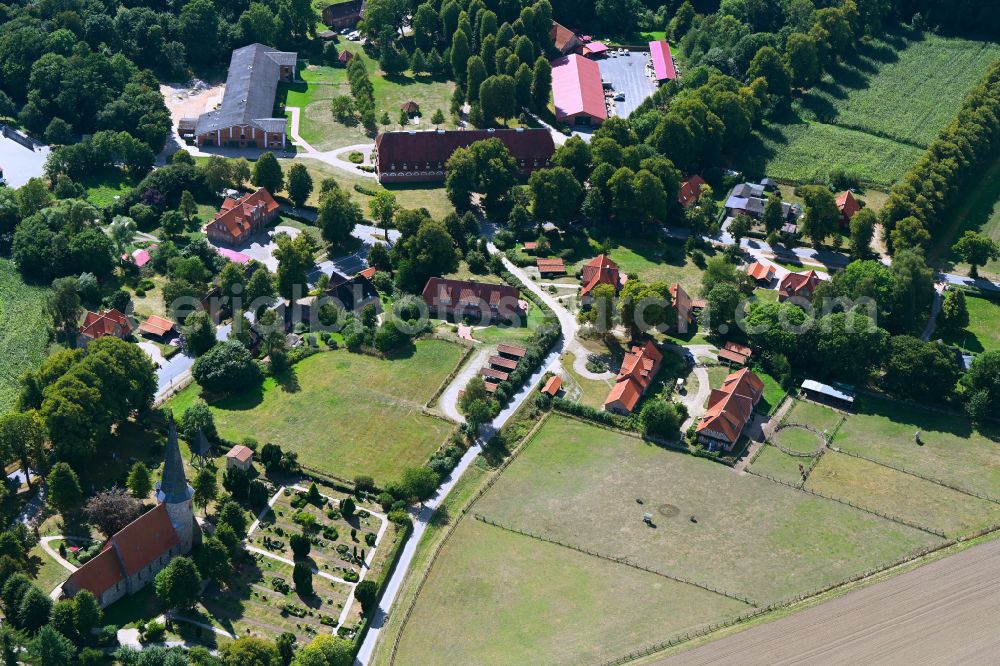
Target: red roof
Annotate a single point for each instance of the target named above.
(368, 272)
(735, 353)
(577, 88)
(144, 539)
(156, 325)
(550, 265)
(690, 190)
(730, 407)
(505, 363)
(511, 350)
(241, 453)
(107, 322)
(563, 38)
(441, 292)
(236, 217)
(532, 148)
(599, 270)
(531, 245)
(490, 373)
(799, 284)
(345, 56)
(663, 62)
(681, 302)
(639, 367)
(760, 271)
(553, 385)
(848, 206)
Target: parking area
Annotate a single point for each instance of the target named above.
(628, 75)
(20, 163)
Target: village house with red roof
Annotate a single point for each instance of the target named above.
(848, 206)
(239, 219)
(639, 367)
(599, 270)
(800, 285)
(97, 325)
(455, 299)
(730, 410)
(133, 556)
(690, 190)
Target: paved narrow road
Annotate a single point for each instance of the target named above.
(946, 612)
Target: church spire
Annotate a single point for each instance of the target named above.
(173, 485)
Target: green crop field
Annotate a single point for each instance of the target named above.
(343, 413)
(950, 450)
(580, 484)
(911, 498)
(24, 330)
(495, 597)
(875, 113)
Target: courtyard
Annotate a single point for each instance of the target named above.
(627, 74)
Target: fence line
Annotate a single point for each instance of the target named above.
(812, 466)
(617, 560)
(876, 512)
(469, 349)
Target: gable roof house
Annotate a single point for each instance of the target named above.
(690, 190)
(245, 119)
(456, 299)
(106, 322)
(682, 304)
(344, 14)
(801, 285)
(548, 266)
(761, 272)
(599, 270)
(750, 199)
(239, 219)
(848, 206)
(577, 91)
(133, 556)
(411, 156)
(730, 410)
(663, 61)
(639, 367)
(564, 39)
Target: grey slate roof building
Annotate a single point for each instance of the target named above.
(246, 115)
(173, 487)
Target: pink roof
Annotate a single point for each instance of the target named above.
(141, 257)
(663, 63)
(577, 89)
(232, 255)
(596, 47)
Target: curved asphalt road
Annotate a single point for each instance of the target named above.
(946, 612)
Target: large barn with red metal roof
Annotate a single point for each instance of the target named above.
(577, 91)
(663, 62)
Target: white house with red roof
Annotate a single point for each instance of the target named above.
(730, 410)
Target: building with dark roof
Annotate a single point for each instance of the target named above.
(577, 91)
(750, 199)
(411, 156)
(245, 119)
(456, 299)
(133, 556)
(344, 14)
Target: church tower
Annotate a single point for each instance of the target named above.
(174, 492)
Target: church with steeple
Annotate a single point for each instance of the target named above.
(133, 556)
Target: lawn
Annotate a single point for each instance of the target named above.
(773, 393)
(345, 414)
(322, 83)
(419, 195)
(105, 186)
(951, 450)
(980, 211)
(716, 375)
(894, 493)
(874, 114)
(983, 332)
(813, 414)
(591, 392)
(45, 571)
(495, 597)
(25, 325)
(774, 462)
(798, 439)
(512, 334)
(582, 484)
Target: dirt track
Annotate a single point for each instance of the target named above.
(946, 612)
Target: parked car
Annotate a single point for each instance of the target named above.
(620, 97)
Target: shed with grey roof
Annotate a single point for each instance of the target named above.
(245, 119)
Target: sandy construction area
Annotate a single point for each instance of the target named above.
(190, 102)
(947, 612)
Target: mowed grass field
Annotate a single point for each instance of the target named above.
(951, 450)
(875, 113)
(346, 414)
(983, 332)
(24, 330)
(496, 597)
(813, 414)
(580, 484)
(321, 83)
(905, 496)
(773, 462)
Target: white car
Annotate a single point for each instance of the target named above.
(354, 36)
